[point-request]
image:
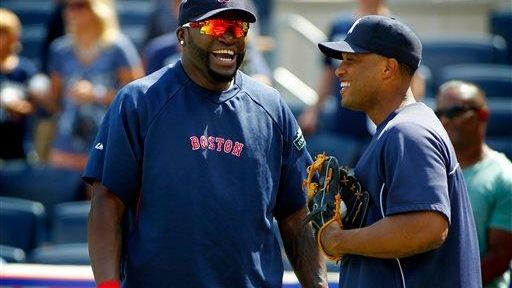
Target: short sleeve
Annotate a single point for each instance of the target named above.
(415, 171)
(296, 158)
(53, 57)
(501, 217)
(126, 53)
(116, 155)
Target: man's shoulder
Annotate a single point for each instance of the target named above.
(153, 88)
(256, 89)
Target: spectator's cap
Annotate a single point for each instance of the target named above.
(197, 10)
(381, 35)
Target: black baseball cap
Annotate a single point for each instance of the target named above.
(381, 35)
(197, 10)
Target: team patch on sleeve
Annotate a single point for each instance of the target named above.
(299, 141)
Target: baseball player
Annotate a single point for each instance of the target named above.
(198, 159)
(419, 231)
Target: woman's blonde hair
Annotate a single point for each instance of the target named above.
(10, 22)
(105, 10)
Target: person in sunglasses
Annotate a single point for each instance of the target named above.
(419, 231)
(191, 166)
(462, 108)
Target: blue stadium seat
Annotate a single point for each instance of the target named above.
(441, 52)
(70, 222)
(494, 79)
(134, 13)
(501, 144)
(500, 123)
(22, 223)
(30, 12)
(12, 254)
(43, 183)
(63, 254)
(499, 130)
(501, 23)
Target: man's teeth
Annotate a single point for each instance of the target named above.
(344, 84)
(224, 51)
(224, 54)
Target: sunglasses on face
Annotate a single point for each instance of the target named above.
(78, 5)
(217, 27)
(454, 111)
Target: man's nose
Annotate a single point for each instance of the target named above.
(341, 70)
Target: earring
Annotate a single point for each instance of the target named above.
(182, 42)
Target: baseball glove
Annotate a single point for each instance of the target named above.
(336, 197)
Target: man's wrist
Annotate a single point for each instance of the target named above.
(110, 284)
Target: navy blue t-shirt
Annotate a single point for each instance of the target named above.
(203, 174)
(410, 165)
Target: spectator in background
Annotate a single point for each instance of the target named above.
(345, 124)
(159, 21)
(15, 105)
(462, 109)
(54, 30)
(164, 50)
(86, 66)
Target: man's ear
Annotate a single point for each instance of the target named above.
(391, 67)
(180, 35)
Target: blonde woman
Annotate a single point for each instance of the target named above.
(15, 105)
(87, 66)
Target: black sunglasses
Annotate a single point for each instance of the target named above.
(454, 111)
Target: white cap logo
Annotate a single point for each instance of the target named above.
(353, 25)
(223, 1)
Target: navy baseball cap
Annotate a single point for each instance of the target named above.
(197, 10)
(381, 35)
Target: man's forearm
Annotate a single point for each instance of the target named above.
(303, 253)
(105, 238)
(392, 237)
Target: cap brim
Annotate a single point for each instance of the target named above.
(334, 49)
(242, 14)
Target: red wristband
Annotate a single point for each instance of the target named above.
(110, 284)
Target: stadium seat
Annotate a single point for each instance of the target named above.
(500, 122)
(12, 254)
(63, 254)
(501, 144)
(441, 52)
(501, 23)
(43, 183)
(494, 79)
(22, 223)
(70, 222)
(30, 12)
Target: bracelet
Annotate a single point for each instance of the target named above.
(110, 284)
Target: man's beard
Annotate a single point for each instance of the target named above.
(203, 57)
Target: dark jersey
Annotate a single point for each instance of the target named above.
(410, 165)
(203, 174)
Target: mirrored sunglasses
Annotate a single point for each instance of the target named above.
(454, 111)
(217, 27)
